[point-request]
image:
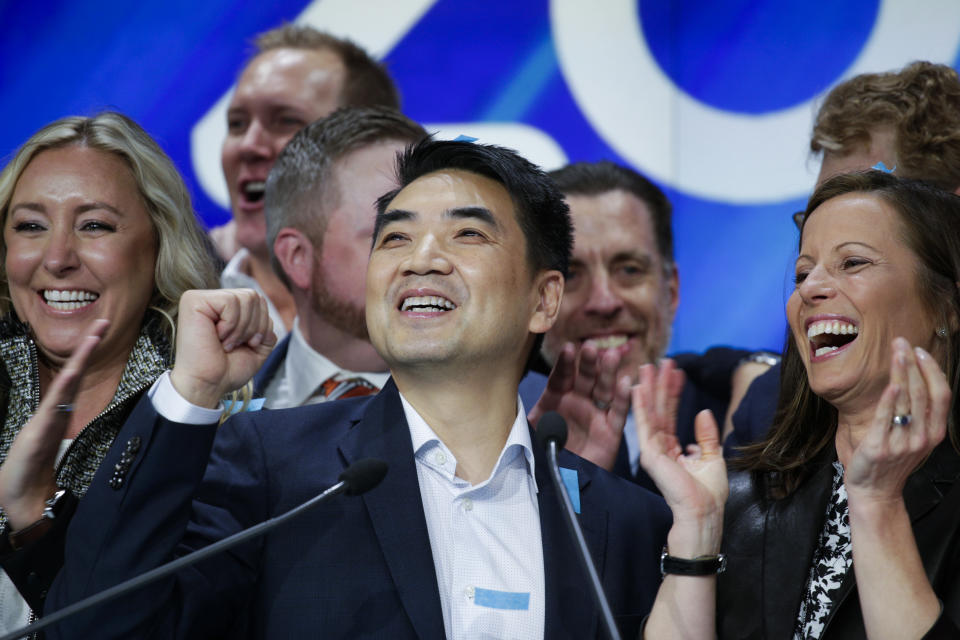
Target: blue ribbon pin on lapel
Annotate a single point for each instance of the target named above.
(255, 404)
(570, 481)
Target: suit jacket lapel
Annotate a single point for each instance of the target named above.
(934, 486)
(270, 367)
(396, 508)
(925, 488)
(569, 608)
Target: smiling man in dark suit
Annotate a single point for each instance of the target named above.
(463, 539)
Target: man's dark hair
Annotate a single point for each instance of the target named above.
(542, 214)
(597, 178)
(300, 189)
(367, 83)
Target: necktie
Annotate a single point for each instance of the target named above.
(336, 387)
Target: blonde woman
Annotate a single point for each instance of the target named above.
(99, 237)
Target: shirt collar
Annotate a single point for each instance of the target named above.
(234, 272)
(306, 369)
(422, 435)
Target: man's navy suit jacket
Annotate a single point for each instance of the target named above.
(350, 568)
(754, 417)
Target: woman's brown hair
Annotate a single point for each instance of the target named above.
(804, 425)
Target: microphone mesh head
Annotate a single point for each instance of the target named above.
(552, 426)
(363, 475)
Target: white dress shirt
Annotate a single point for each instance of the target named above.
(234, 276)
(485, 538)
(303, 370)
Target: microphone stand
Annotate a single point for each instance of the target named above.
(348, 484)
(606, 615)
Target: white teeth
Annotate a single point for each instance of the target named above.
(64, 300)
(427, 303)
(257, 186)
(835, 327)
(824, 350)
(609, 342)
(67, 306)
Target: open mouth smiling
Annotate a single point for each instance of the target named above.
(611, 341)
(68, 300)
(829, 336)
(253, 190)
(426, 304)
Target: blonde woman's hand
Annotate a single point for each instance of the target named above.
(223, 337)
(27, 475)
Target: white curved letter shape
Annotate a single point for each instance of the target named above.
(699, 149)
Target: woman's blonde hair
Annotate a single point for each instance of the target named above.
(184, 257)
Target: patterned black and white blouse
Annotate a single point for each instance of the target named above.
(831, 562)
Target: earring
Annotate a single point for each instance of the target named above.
(942, 332)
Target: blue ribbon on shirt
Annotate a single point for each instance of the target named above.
(569, 477)
(519, 601)
(492, 599)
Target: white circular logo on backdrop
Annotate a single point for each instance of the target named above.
(699, 149)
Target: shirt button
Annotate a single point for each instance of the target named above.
(467, 504)
(440, 458)
(468, 592)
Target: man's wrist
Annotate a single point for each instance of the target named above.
(765, 358)
(169, 403)
(199, 395)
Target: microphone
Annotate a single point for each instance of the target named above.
(552, 435)
(362, 476)
(552, 426)
(358, 478)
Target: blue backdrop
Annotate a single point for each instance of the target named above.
(712, 99)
